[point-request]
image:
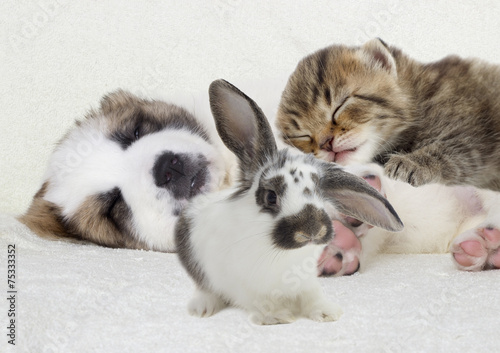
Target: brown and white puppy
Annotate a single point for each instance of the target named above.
(121, 176)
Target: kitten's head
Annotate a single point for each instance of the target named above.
(343, 103)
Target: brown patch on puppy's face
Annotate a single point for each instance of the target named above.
(102, 219)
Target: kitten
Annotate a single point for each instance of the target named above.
(426, 123)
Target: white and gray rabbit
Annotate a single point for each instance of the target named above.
(256, 245)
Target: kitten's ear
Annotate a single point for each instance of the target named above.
(376, 53)
(242, 126)
(354, 197)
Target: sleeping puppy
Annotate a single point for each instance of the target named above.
(121, 176)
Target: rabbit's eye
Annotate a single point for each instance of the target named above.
(271, 198)
(137, 133)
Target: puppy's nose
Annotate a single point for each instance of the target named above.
(182, 174)
(169, 167)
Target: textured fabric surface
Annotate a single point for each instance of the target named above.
(74, 298)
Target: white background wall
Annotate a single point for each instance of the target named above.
(58, 57)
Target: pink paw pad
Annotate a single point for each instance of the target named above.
(478, 249)
(341, 256)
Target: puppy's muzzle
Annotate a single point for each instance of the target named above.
(182, 174)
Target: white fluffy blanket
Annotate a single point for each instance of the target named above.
(74, 298)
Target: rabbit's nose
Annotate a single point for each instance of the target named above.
(183, 174)
(310, 225)
(300, 236)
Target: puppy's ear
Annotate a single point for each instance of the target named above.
(119, 100)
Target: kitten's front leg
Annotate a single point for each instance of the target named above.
(429, 164)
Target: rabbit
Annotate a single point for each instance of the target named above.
(256, 245)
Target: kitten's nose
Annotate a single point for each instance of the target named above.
(327, 145)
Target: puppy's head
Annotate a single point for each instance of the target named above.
(122, 175)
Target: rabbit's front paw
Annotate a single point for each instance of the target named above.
(412, 170)
(273, 318)
(205, 304)
(477, 249)
(325, 312)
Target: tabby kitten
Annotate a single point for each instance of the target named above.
(437, 122)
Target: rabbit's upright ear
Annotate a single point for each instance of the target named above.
(242, 126)
(354, 197)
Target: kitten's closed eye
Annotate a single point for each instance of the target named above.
(338, 108)
(302, 138)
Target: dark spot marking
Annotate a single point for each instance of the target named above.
(315, 94)
(291, 112)
(410, 177)
(295, 124)
(374, 99)
(321, 67)
(310, 221)
(307, 192)
(395, 173)
(177, 211)
(328, 96)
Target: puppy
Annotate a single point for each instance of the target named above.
(121, 176)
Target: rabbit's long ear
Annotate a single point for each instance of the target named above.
(242, 126)
(354, 197)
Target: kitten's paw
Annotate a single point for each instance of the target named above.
(409, 170)
(326, 312)
(477, 249)
(205, 304)
(341, 255)
(272, 318)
